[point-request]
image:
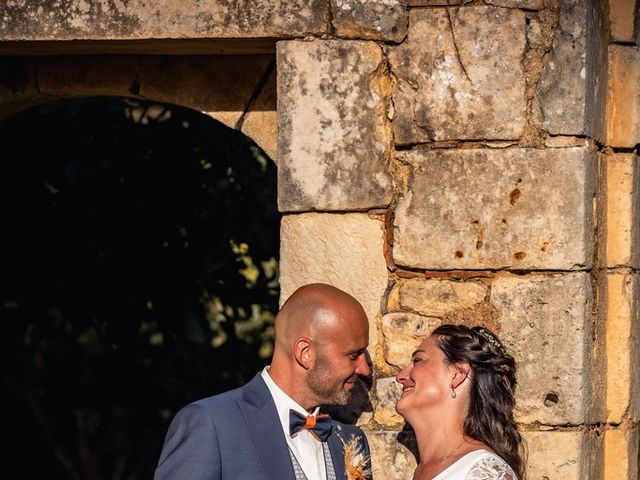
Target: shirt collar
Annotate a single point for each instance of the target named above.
(283, 402)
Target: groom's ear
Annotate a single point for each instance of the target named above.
(303, 352)
(461, 373)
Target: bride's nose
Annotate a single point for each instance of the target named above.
(403, 375)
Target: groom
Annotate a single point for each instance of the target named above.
(271, 428)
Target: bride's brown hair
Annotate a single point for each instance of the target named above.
(492, 393)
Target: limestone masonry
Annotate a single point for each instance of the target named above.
(442, 160)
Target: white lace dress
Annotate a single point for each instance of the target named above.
(478, 465)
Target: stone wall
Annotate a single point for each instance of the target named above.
(621, 179)
(237, 90)
(443, 161)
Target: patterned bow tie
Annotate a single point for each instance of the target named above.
(319, 427)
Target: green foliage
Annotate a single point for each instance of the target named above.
(139, 273)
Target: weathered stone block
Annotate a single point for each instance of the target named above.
(546, 324)
(528, 4)
(598, 377)
(342, 250)
(140, 19)
(334, 135)
(437, 297)
(261, 121)
(432, 3)
(623, 104)
(621, 453)
(623, 205)
(469, 82)
(622, 19)
(536, 213)
(561, 141)
(370, 19)
(387, 392)
(600, 208)
(572, 90)
(218, 85)
(78, 75)
(402, 333)
(390, 459)
(566, 455)
(623, 347)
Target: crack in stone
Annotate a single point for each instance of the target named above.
(256, 93)
(331, 29)
(455, 46)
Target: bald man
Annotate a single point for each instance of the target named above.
(272, 428)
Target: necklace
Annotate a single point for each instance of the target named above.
(452, 453)
(422, 471)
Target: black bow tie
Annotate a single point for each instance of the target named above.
(319, 427)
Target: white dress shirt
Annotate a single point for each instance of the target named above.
(306, 449)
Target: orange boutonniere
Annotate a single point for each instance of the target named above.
(356, 459)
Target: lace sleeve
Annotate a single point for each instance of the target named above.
(491, 467)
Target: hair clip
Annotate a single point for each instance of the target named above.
(489, 337)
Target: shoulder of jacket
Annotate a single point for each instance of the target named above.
(215, 402)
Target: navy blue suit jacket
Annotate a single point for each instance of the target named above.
(238, 435)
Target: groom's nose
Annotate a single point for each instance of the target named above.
(362, 367)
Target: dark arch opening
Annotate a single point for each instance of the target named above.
(139, 273)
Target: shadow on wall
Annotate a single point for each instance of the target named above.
(139, 273)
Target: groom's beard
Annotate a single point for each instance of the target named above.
(324, 384)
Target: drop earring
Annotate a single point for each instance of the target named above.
(453, 392)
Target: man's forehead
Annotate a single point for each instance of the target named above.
(349, 338)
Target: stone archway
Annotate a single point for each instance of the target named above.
(141, 245)
(239, 90)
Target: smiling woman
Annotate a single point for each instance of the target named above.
(458, 394)
(139, 272)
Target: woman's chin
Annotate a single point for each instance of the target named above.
(401, 408)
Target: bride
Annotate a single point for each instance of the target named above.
(458, 395)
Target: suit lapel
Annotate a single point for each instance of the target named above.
(261, 416)
(337, 452)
